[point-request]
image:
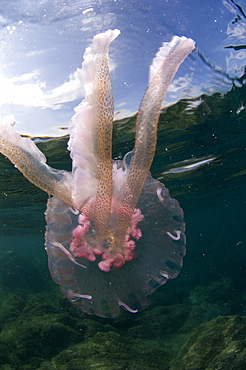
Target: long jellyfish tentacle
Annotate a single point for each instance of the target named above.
(104, 114)
(90, 141)
(162, 71)
(29, 160)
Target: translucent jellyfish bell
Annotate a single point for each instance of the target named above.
(113, 232)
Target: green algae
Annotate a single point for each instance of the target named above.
(34, 331)
(37, 334)
(217, 344)
(109, 351)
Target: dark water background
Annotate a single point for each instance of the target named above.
(196, 321)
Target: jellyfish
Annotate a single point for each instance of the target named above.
(114, 234)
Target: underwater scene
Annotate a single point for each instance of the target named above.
(185, 220)
(196, 321)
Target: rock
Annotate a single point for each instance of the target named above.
(216, 344)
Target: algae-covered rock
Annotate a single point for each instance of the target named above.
(207, 302)
(159, 322)
(36, 332)
(217, 344)
(109, 351)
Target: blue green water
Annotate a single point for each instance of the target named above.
(196, 321)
